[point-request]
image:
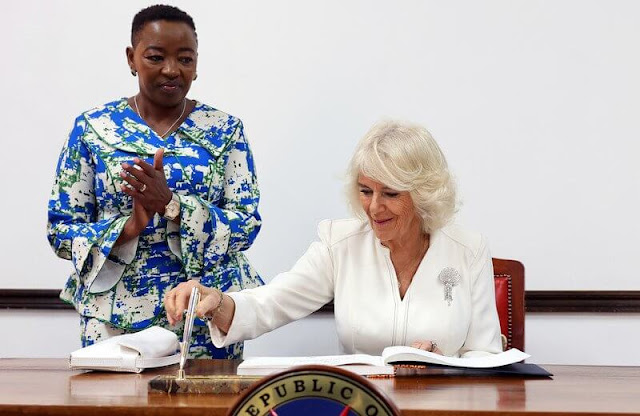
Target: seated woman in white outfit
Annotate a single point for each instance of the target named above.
(399, 275)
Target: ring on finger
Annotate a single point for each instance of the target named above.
(144, 188)
(434, 345)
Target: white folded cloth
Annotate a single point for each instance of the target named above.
(152, 347)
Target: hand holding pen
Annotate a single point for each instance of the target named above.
(194, 299)
(213, 305)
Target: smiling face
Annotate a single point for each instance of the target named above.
(392, 214)
(165, 58)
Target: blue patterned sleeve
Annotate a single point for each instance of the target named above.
(75, 229)
(211, 230)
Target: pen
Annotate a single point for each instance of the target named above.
(188, 328)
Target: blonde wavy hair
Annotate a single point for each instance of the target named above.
(404, 157)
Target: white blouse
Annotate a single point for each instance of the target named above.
(352, 267)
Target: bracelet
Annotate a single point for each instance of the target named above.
(218, 307)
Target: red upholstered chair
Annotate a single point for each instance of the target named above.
(509, 280)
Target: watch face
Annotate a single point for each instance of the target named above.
(314, 390)
(172, 209)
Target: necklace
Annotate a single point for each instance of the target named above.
(404, 274)
(184, 106)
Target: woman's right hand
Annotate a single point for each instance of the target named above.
(213, 304)
(176, 300)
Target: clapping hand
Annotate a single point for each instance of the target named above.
(147, 184)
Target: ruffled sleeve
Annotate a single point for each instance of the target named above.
(210, 230)
(75, 230)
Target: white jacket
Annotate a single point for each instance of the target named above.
(352, 267)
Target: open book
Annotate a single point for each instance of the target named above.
(364, 364)
(152, 347)
(400, 354)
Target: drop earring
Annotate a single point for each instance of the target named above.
(133, 72)
(195, 77)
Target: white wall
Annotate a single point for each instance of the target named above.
(533, 101)
(550, 339)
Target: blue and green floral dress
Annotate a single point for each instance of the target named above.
(208, 164)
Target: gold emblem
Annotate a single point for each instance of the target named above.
(313, 390)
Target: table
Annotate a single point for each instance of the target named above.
(47, 386)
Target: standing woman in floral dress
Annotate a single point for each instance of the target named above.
(154, 190)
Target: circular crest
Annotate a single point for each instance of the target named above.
(314, 390)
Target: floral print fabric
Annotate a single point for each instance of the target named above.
(208, 164)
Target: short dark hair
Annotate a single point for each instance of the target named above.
(159, 12)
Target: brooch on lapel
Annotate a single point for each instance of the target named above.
(449, 277)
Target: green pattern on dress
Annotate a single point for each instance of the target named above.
(208, 164)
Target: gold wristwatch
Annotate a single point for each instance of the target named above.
(172, 209)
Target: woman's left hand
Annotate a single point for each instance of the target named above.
(148, 184)
(430, 346)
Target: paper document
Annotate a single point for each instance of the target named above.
(362, 364)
